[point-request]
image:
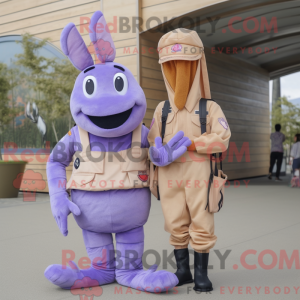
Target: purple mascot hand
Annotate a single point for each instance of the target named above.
(61, 207)
(162, 155)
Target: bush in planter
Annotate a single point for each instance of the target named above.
(9, 171)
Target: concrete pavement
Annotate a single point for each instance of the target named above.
(259, 216)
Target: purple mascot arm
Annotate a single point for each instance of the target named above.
(162, 155)
(59, 159)
(75, 49)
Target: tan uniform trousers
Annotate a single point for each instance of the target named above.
(183, 192)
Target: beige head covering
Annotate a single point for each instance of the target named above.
(184, 44)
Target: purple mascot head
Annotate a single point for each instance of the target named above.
(106, 100)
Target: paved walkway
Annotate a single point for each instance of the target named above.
(261, 216)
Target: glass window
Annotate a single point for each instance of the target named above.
(30, 125)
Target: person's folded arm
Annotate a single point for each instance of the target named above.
(218, 139)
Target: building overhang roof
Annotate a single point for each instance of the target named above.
(265, 33)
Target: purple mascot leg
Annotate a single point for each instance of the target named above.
(100, 250)
(129, 265)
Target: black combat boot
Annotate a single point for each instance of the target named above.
(183, 272)
(202, 283)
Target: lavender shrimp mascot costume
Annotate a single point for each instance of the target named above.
(109, 182)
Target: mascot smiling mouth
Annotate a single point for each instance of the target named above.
(111, 121)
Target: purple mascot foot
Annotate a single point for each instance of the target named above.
(102, 270)
(129, 266)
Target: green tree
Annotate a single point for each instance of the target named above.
(4, 100)
(50, 81)
(56, 87)
(288, 115)
(7, 109)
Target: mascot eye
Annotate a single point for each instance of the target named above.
(89, 86)
(120, 83)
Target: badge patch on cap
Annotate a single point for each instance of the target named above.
(223, 123)
(176, 48)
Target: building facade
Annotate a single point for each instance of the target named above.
(243, 47)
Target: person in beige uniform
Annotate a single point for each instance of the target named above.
(183, 180)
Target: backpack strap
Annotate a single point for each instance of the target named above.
(213, 157)
(164, 117)
(203, 113)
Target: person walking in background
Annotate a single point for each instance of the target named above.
(277, 139)
(295, 154)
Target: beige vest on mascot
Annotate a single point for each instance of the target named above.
(101, 171)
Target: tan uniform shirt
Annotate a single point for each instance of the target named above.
(183, 185)
(217, 134)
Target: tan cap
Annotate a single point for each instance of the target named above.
(182, 44)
